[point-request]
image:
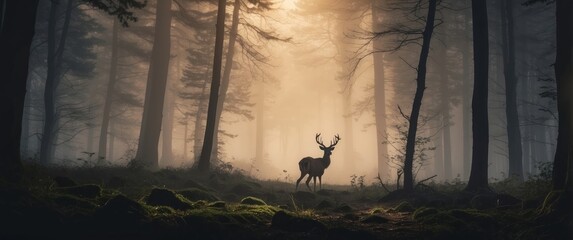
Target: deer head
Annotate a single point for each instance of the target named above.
(327, 150)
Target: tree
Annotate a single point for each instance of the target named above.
(204, 160)
(226, 74)
(480, 127)
(513, 130)
(56, 47)
(102, 150)
(16, 32)
(417, 103)
(147, 150)
(379, 91)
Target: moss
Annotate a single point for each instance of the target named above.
(165, 197)
(423, 212)
(161, 210)
(403, 207)
(218, 204)
(86, 191)
(377, 210)
(253, 201)
(195, 194)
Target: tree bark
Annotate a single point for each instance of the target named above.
(466, 95)
(56, 49)
(379, 94)
(147, 151)
(417, 104)
(226, 75)
(17, 23)
(204, 160)
(167, 130)
(102, 150)
(563, 162)
(513, 130)
(480, 126)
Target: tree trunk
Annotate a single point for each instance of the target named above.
(16, 33)
(147, 150)
(111, 142)
(379, 94)
(24, 141)
(204, 160)
(513, 129)
(417, 104)
(259, 142)
(439, 153)
(466, 95)
(480, 126)
(167, 131)
(226, 75)
(445, 108)
(55, 54)
(102, 150)
(185, 135)
(562, 164)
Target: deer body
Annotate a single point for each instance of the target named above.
(315, 167)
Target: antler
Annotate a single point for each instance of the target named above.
(319, 141)
(336, 139)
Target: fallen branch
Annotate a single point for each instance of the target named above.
(422, 181)
(382, 183)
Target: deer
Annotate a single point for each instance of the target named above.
(315, 167)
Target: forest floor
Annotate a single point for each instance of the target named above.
(113, 203)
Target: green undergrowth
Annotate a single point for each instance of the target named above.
(183, 202)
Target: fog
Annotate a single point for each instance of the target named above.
(315, 75)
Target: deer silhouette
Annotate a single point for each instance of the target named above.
(314, 167)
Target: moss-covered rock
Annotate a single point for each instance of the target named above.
(253, 201)
(343, 208)
(85, 191)
(120, 211)
(73, 202)
(218, 204)
(291, 223)
(165, 197)
(423, 212)
(195, 194)
(403, 207)
(324, 204)
(62, 181)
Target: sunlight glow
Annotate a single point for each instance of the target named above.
(288, 4)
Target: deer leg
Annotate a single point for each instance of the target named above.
(320, 182)
(300, 178)
(308, 181)
(314, 181)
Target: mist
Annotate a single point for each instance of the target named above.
(299, 69)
